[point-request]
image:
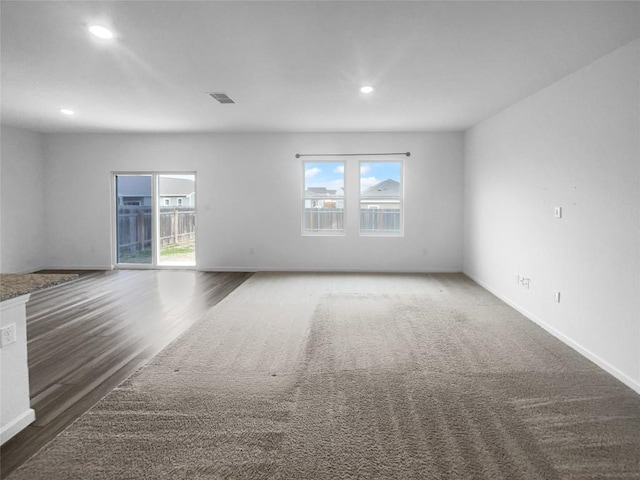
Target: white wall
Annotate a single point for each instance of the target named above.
(576, 145)
(249, 197)
(22, 200)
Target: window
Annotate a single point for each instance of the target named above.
(381, 198)
(323, 198)
(179, 202)
(167, 202)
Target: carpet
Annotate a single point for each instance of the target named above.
(340, 376)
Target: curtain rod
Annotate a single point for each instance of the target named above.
(298, 155)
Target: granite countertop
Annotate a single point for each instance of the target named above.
(15, 284)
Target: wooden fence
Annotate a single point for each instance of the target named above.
(371, 220)
(380, 220)
(323, 219)
(177, 225)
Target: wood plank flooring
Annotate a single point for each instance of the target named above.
(87, 336)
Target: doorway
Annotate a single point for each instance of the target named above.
(155, 220)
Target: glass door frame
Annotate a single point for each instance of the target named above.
(155, 221)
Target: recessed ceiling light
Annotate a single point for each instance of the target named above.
(101, 32)
(366, 89)
(66, 111)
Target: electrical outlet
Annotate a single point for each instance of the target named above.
(556, 296)
(8, 335)
(524, 282)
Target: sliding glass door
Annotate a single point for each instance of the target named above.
(155, 217)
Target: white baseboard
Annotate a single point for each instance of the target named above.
(77, 267)
(606, 366)
(17, 425)
(323, 270)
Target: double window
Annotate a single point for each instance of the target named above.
(380, 199)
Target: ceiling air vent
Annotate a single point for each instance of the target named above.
(221, 97)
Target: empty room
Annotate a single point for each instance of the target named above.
(320, 240)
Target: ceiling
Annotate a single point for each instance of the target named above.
(292, 66)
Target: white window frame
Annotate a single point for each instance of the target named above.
(342, 198)
(400, 233)
(166, 202)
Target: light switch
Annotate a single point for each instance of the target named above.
(557, 212)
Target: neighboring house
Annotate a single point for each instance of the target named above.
(177, 192)
(321, 197)
(384, 196)
(135, 190)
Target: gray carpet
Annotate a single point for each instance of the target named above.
(329, 376)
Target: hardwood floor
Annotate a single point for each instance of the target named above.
(87, 336)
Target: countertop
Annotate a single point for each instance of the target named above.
(15, 284)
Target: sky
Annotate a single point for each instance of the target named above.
(331, 174)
